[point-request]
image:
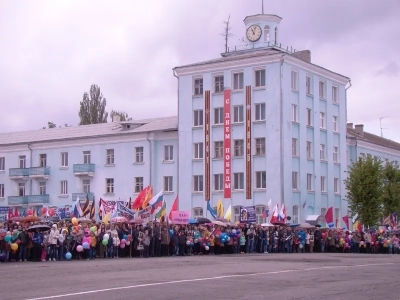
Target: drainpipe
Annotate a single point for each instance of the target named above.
(345, 99)
(177, 150)
(282, 161)
(30, 166)
(151, 156)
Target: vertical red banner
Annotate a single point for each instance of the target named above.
(227, 144)
(248, 143)
(207, 145)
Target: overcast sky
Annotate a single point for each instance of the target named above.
(52, 51)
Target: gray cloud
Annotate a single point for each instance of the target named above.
(52, 51)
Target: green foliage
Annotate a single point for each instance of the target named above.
(93, 107)
(364, 186)
(123, 115)
(53, 125)
(391, 189)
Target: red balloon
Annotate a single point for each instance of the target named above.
(51, 212)
(44, 210)
(29, 212)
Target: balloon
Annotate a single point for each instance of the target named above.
(106, 237)
(301, 246)
(123, 241)
(86, 246)
(105, 242)
(93, 229)
(228, 238)
(68, 255)
(74, 221)
(14, 246)
(207, 248)
(195, 241)
(44, 210)
(29, 212)
(233, 231)
(51, 212)
(125, 237)
(188, 243)
(7, 238)
(171, 232)
(199, 239)
(122, 246)
(79, 248)
(128, 243)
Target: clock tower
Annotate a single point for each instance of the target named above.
(262, 30)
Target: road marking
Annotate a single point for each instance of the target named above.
(203, 279)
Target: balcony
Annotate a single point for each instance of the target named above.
(18, 173)
(17, 200)
(38, 199)
(82, 196)
(39, 172)
(84, 169)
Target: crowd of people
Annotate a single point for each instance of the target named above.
(67, 240)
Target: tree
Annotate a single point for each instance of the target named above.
(364, 186)
(93, 107)
(53, 125)
(123, 115)
(391, 189)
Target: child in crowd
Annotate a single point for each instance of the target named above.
(45, 245)
(93, 243)
(242, 243)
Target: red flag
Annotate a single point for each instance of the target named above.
(329, 215)
(10, 214)
(16, 214)
(137, 204)
(359, 226)
(346, 221)
(174, 207)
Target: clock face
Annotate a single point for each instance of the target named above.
(253, 33)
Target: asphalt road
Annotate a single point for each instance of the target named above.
(257, 276)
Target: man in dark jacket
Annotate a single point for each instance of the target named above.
(24, 239)
(317, 240)
(157, 240)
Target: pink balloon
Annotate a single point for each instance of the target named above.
(122, 246)
(123, 241)
(79, 248)
(199, 239)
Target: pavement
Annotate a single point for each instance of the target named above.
(254, 276)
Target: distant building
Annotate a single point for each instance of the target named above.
(53, 167)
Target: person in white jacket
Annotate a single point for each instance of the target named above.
(116, 242)
(53, 241)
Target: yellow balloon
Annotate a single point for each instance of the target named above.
(14, 247)
(74, 221)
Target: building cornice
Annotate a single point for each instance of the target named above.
(354, 141)
(262, 18)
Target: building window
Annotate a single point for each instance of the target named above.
(309, 182)
(336, 185)
(1, 190)
(295, 180)
(294, 113)
(335, 94)
(261, 180)
(309, 117)
(218, 84)
(21, 189)
(139, 154)
(138, 184)
(43, 160)
(260, 146)
(322, 120)
(168, 184)
(198, 183)
(218, 116)
(322, 152)
(260, 112)
(198, 118)
(236, 212)
(197, 212)
(110, 157)
(309, 150)
(42, 188)
(335, 154)
(168, 153)
(308, 85)
(259, 214)
(294, 147)
(64, 159)
(198, 86)
(238, 114)
(323, 184)
(63, 187)
(238, 181)
(322, 89)
(218, 149)
(238, 148)
(337, 217)
(238, 81)
(335, 125)
(86, 157)
(260, 78)
(109, 185)
(266, 33)
(22, 161)
(198, 150)
(218, 182)
(2, 163)
(294, 80)
(86, 185)
(296, 214)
